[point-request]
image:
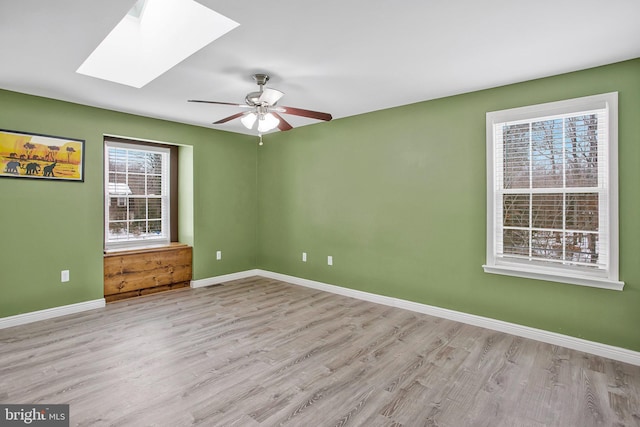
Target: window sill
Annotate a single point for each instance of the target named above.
(143, 249)
(519, 271)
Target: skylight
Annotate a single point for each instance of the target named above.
(153, 37)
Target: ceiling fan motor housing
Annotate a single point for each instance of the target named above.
(253, 98)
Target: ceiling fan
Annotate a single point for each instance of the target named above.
(261, 108)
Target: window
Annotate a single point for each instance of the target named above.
(137, 194)
(552, 200)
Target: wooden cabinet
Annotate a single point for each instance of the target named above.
(140, 272)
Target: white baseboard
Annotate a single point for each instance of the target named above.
(599, 349)
(224, 278)
(50, 313)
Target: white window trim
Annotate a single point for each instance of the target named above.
(143, 243)
(495, 265)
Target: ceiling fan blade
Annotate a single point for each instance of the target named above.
(305, 113)
(227, 119)
(220, 103)
(270, 96)
(282, 123)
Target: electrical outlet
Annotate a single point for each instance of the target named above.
(304, 257)
(219, 255)
(64, 276)
(330, 260)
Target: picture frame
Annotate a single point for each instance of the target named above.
(37, 156)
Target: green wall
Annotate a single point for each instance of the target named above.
(49, 226)
(398, 198)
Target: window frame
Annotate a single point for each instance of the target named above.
(601, 278)
(169, 217)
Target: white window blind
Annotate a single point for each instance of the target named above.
(552, 191)
(136, 195)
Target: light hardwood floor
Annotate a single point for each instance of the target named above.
(259, 352)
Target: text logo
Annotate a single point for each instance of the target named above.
(34, 415)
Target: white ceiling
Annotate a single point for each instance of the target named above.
(335, 56)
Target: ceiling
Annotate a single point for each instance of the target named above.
(341, 57)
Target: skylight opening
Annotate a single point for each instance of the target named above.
(153, 37)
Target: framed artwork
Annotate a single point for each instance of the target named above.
(31, 155)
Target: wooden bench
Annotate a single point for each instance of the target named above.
(139, 272)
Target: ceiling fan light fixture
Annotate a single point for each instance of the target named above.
(249, 120)
(267, 123)
(270, 96)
